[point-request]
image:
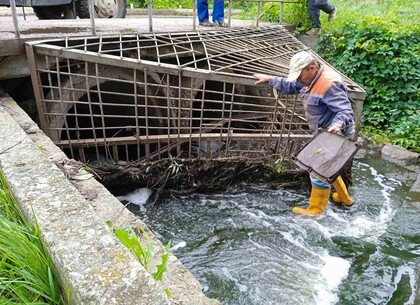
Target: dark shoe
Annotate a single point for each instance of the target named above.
(313, 32)
(221, 24)
(206, 23)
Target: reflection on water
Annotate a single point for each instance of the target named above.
(246, 247)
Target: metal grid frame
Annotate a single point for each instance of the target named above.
(151, 96)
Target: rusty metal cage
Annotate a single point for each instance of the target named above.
(151, 96)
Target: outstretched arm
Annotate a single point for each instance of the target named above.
(279, 83)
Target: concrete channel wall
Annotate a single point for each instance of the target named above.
(71, 209)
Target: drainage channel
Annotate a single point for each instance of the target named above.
(92, 265)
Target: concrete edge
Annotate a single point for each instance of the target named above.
(72, 216)
(6, 11)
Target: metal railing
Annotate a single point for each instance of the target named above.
(150, 13)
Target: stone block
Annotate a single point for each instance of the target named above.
(400, 155)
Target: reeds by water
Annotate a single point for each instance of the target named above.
(26, 269)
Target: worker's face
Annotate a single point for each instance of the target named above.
(307, 75)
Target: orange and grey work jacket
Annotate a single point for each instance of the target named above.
(325, 100)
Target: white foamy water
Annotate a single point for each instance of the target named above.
(334, 270)
(248, 246)
(368, 226)
(181, 244)
(138, 197)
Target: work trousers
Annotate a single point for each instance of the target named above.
(203, 10)
(314, 7)
(318, 183)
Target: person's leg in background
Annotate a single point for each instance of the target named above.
(219, 13)
(326, 7)
(314, 15)
(203, 13)
(314, 7)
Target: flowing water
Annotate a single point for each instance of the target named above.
(247, 248)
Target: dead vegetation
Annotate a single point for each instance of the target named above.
(193, 175)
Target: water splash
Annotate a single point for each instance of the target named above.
(334, 270)
(373, 210)
(138, 197)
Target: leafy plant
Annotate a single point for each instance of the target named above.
(143, 252)
(374, 135)
(279, 166)
(293, 13)
(174, 166)
(381, 53)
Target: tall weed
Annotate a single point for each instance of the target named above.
(26, 275)
(140, 244)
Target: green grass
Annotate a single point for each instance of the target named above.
(26, 275)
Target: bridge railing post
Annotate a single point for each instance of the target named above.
(195, 15)
(14, 16)
(92, 17)
(150, 12)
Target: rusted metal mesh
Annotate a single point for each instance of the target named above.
(153, 96)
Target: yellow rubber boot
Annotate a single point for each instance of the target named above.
(341, 195)
(317, 202)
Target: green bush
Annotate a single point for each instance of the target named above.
(293, 13)
(382, 56)
(137, 3)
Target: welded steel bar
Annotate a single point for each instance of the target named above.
(168, 111)
(92, 121)
(179, 111)
(191, 102)
(101, 110)
(146, 114)
(201, 115)
(292, 113)
(229, 132)
(57, 66)
(37, 87)
(136, 113)
(358, 108)
(164, 138)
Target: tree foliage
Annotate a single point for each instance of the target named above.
(383, 58)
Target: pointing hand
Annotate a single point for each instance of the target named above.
(261, 78)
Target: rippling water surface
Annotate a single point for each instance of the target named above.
(247, 248)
